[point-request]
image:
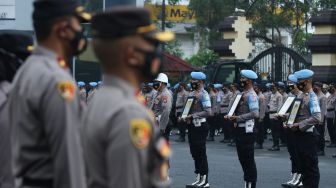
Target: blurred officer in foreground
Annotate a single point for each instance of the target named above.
(82, 92)
(198, 128)
(274, 105)
(330, 115)
(244, 118)
(44, 106)
(317, 88)
(123, 147)
(308, 116)
(181, 100)
(260, 120)
(296, 172)
(14, 49)
(162, 104)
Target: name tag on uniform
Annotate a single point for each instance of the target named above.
(249, 126)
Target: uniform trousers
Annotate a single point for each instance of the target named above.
(197, 143)
(321, 139)
(292, 150)
(332, 130)
(245, 149)
(260, 131)
(276, 127)
(307, 155)
(182, 126)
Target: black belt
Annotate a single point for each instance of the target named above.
(330, 110)
(37, 182)
(224, 105)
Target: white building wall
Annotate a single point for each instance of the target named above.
(23, 17)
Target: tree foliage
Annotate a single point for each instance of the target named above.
(203, 57)
(174, 48)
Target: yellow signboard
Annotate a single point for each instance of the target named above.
(176, 13)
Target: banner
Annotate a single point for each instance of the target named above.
(176, 13)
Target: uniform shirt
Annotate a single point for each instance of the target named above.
(323, 105)
(6, 177)
(331, 106)
(309, 113)
(44, 113)
(150, 97)
(248, 107)
(284, 97)
(181, 99)
(225, 102)
(262, 105)
(118, 135)
(90, 96)
(267, 95)
(295, 95)
(201, 107)
(82, 95)
(220, 95)
(213, 99)
(275, 102)
(161, 107)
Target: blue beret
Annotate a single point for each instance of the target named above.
(292, 78)
(150, 84)
(80, 83)
(250, 74)
(218, 86)
(176, 86)
(269, 85)
(99, 82)
(281, 84)
(93, 84)
(304, 74)
(198, 75)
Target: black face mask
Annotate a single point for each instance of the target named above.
(301, 85)
(290, 88)
(149, 58)
(243, 83)
(156, 85)
(75, 42)
(194, 85)
(315, 90)
(331, 90)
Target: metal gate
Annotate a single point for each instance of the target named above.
(278, 62)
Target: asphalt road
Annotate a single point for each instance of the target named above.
(225, 170)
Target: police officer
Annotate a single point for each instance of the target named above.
(122, 146)
(267, 93)
(330, 115)
(14, 49)
(321, 127)
(308, 116)
(213, 92)
(276, 125)
(260, 120)
(198, 128)
(234, 90)
(82, 92)
(282, 90)
(244, 118)
(91, 93)
(181, 99)
(296, 172)
(44, 105)
(162, 104)
(224, 101)
(149, 94)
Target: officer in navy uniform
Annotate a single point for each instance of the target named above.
(244, 119)
(296, 172)
(14, 49)
(44, 103)
(308, 116)
(198, 128)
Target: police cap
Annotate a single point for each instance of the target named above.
(46, 10)
(218, 86)
(292, 78)
(198, 76)
(249, 74)
(123, 21)
(81, 84)
(93, 84)
(304, 74)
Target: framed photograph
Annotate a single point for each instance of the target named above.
(286, 105)
(234, 105)
(187, 107)
(294, 111)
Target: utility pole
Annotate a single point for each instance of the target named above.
(163, 19)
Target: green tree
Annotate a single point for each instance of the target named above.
(203, 58)
(174, 48)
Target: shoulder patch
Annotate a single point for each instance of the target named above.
(140, 132)
(164, 99)
(163, 148)
(66, 89)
